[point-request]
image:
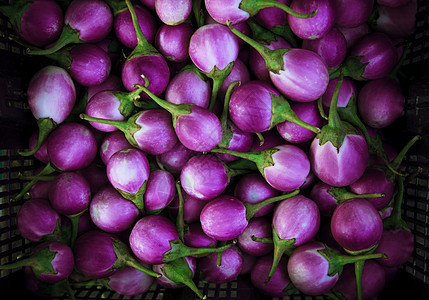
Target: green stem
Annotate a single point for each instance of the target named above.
(334, 120)
(395, 71)
(121, 125)
(38, 178)
(358, 274)
(261, 138)
(48, 169)
(217, 83)
(253, 6)
(262, 240)
(349, 259)
(69, 290)
(75, 227)
(398, 160)
(46, 126)
(68, 36)
(320, 107)
(224, 116)
(198, 12)
(253, 208)
(180, 224)
(341, 194)
(219, 255)
(252, 156)
(235, 172)
(287, 33)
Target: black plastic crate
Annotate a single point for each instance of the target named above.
(17, 123)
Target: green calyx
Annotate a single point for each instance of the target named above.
(218, 76)
(227, 132)
(341, 194)
(137, 197)
(352, 67)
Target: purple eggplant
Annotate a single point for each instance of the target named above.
(130, 281)
(239, 72)
(214, 49)
(128, 172)
(284, 167)
(295, 222)
(38, 23)
(353, 34)
(70, 195)
(112, 83)
(191, 208)
(173, 12)
(50, 261)
(38, 221)
(257, 106)
(242, 27)
(51, 95)
(42, 153)
(347, 91)
(317, 26)
(259, 228)
(160, 191)
(144, 63)
(71, 146)
(356, 225)
(339, 154)
(249, 262)
(123, 23)
(279, 284)
(85, 21)
(332, 47)
(381, 102)
(195, 237)
(189, 86)
(352, 13)
(173, 41)
(111, 212)
(99, 254)
(112, 143)
(287, 67)
(175, 159)
(229, 268)
(155, 240)
(238, 11)
(252, 188)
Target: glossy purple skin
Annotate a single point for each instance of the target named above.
(213, 45)
(173, 41)
(41, 23)
(381, 102)
(150, 238)
(296, 218)
(112, 143)
(173, 12)
(398, 245)
(374, 181)
(156, 134)
(149, 3)
(230, 268)
(160, 190)
(325, 202)
(124, 29)
(261, 228)
(175, 159)
(317, 26)
(42, 153)
(397, 22)
(339, 167)
(290, 169)
(195, 237)
(224, 218)
(222, 10)
(379, 52)
(250, 106)
(153, 67)
(93, 19)
(191, 207)
(353, 34)
(112, 83)
(243, 27)
(308, 181)
(51, 94)
(128, 170)
(373, 281)
(257, 63)
(111, 212)
(204, 177)
(253, 188)
(72, 146)
(332, 47)
(352, 13)
(306, 68)
(239, 72)
(280, 280)
(295, 134)
(70, 193)
(36, 218)
(308, 270)
(104, 105)
(94, 254)
(272, 16)
(95, 175)
(347, 90)
(169, 284)
(130, 282)
(356, 225)
(241, 141)
(90, 64)
(40, 190)
(188, 87)
(62, 263)
(199, 130)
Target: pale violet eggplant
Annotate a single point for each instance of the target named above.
(398, 245)
(352, 13)
(112, 143)
(195, 237)
(347, 91)
(259, 228)
(112, 83)
(130, 282)
(42, 153)
(175, 159)
(173, 41)
(191, 208)
(111, 212)
(230, 266)
(160, 190)
(353, 34)
(239, 72)
(173, 12)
